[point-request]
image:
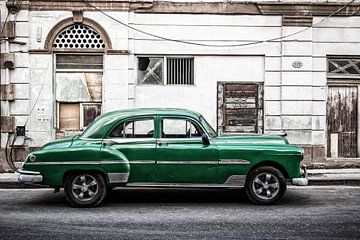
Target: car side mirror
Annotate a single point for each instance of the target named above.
(205, 139)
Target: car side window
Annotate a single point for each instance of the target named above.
(180, 128)
(143, 128)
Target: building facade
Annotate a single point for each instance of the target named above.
(285, 67)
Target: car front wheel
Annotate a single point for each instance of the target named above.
(265, 185)
(85, 189)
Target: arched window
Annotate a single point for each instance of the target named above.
(78, 36)
(78, 49)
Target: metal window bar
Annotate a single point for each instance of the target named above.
(180, 71)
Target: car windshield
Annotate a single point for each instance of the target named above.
(208, 127)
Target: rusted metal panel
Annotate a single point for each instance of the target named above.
(7, 92)
(342, 114)
(90, 112)
(7, 124)
(93, 83)
(79, 61)
(69, 116)
(298, 21)
(8, 60)
(9, 30)
(240, 108)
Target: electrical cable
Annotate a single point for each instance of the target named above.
(3, 26)
(38, 96)
(216, 45)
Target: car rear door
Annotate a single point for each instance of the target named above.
(135, 139)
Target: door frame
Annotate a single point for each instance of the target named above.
(343, 82)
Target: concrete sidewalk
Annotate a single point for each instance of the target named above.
(346, 176)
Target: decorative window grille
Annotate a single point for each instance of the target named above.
(79, 36)
(344, 66)
(179, 70)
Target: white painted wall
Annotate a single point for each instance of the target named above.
(202, 97)
(295, 99)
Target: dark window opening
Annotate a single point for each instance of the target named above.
(134, 129)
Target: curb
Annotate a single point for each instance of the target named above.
(317, 177)
(318, 181)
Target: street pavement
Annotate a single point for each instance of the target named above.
(312, 212)
(346, 176)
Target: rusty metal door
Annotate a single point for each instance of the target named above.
(240, 107)
(342, 117)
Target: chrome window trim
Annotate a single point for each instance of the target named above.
(129, 140)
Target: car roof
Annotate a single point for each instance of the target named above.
(104, 123)
(124, 113)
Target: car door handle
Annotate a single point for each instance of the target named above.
(162, 143)
(107, 142)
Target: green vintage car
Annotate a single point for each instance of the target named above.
(163, 147)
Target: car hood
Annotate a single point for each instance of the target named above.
(251, 139)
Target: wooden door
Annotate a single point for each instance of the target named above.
(342, 117)
(240, 107)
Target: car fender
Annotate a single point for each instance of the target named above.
(115, 164)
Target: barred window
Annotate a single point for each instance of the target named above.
(166, 70)
(180, 71)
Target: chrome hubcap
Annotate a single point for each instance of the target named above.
(266, 185)
(84, 187)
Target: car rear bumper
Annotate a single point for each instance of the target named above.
(303, 180)
(29, 177)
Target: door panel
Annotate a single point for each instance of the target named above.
(240, 107)
(342, 115)
(186, 161)
(181, 155)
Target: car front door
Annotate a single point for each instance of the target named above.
(135, 139)
(181, 155)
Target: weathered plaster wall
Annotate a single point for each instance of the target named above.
(295, 98)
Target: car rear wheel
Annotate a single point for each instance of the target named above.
(85, 189)
(265, 185)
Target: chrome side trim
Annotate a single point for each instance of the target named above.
(188, 162)
(118, 177)
(27, 172)
(234, 161)
(181, 185)
(175, 140)
(142, 162)
(64, 163)
(91, 162)
(238, 180)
